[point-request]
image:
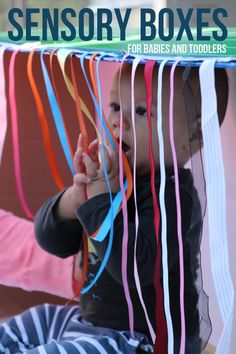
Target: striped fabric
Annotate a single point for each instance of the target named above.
(54, 329)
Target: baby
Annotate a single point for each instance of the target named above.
(100, 323)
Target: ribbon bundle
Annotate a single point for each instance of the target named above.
(164, 340)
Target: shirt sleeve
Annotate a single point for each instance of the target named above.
(59, 237)
(92, 213)
(24, 264)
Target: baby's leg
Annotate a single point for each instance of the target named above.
(36, 327)
(50, 329)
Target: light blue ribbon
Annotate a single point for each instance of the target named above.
(163, 212)
(56, 114)
(108, 223)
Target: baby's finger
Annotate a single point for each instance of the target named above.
(93, 151)
(93, 146)
(80, 141)
(90, 166)
(81, 178)
(77, 160)
(105, 157)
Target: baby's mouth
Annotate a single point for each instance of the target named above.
(125, 147)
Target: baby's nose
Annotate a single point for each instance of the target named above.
(116, 120)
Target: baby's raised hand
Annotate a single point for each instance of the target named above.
(95, 172)
(75, 195)
(80, 179)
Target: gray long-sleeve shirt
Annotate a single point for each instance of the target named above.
(105, 305)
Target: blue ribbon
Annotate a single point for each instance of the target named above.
(108, 223)
(56, 114)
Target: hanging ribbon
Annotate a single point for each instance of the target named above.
(94, 86)
(136, 275)
(62, 55)
(116, 202)
(178, 208)
(163, 211)
(85, 144)
(44, 124)
(54, 85)
(55, 110)
(92, 76)
(124, 158)
(110, 240)
(124, 187)
(113, 142)
(161, 339)
(96, 104)
(80, 117)
(3, 103)
(109, 226)
(216, 201)
(15, 135)
(98, 235)
(125, 217)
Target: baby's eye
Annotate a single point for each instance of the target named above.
(141, 111)
(115, 107)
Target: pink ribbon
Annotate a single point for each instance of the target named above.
(161, 339)
(178, 207)
(136, 275)
(125, 218)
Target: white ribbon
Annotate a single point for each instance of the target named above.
(163, 212)
(216, 199)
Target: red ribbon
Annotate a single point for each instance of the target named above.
(161, 338)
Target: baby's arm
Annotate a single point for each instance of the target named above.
(92, 214)
(57, 229)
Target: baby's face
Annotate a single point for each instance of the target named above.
(141, 122)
